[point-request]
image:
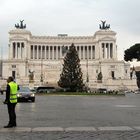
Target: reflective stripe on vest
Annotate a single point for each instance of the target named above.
(13, 92)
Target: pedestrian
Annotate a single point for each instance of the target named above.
(11, 101)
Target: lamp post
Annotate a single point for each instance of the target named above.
(87, 77)
(41, 75)
(100, 76)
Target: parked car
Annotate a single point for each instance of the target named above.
(45, 89)
(102, 90)
(137, 91)
(25, 94)
(3, 89)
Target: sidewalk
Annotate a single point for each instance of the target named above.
(71, 133)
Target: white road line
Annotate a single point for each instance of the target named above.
(116, 128)
(69, 129)
(125, 106)
(16, 129)
(137, 127)
(48, 129)
(80, 129)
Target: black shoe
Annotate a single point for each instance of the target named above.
(9, 126)
(14, 125)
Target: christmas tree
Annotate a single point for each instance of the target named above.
(71, 76)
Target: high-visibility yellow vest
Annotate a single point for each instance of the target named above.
(13, 92)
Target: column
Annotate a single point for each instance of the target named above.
(9, 51)
(105, 51)
(102, 52)
(109, 51)
(83, 52)
(111, 54)
(99, 52)
(28, 50)
(16, 50)
(115, 48)
(60, 51)
(93, 56)
(12, 50)
(114, 51)
(45, 52)
(21, 50)
(37, 51)
(41, 51)
(76, 49)
(49, 52)
(56, 52)
(52, 52)
(87, 52)
(33, 52)
(25, 51)
(91, 52)
(80, 52)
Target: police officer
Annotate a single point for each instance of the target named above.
(11, 101)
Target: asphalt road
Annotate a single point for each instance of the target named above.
(75, 118)
(76, 111)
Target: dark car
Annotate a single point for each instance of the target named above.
(25, 94)
(102, 90)
(45, 89)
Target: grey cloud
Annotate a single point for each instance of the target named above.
(47, 17)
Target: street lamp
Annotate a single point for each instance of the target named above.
(41, 75)
(87, 77)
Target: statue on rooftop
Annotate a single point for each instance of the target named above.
(104, 26)
(20, 26)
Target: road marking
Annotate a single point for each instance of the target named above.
(38, 129)
(116, 128)
(69, 129)
(125, 105)
(16, 129)
(137, 127)
(80, 129)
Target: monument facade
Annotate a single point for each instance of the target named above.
(42, 56)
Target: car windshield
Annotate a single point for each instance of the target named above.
(24, 89)
(45, 88)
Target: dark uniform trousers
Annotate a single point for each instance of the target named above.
(12, 114)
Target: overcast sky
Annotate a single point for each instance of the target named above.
(73, 17)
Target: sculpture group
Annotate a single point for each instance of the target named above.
(104, 25)
(20, 26)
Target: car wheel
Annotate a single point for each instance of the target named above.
(33, 100)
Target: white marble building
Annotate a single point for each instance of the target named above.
(43, 57)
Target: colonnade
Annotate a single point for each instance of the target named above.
(17, 50)
(58, 52)
(107, 50)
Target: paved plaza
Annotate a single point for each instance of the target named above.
(75, 118)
